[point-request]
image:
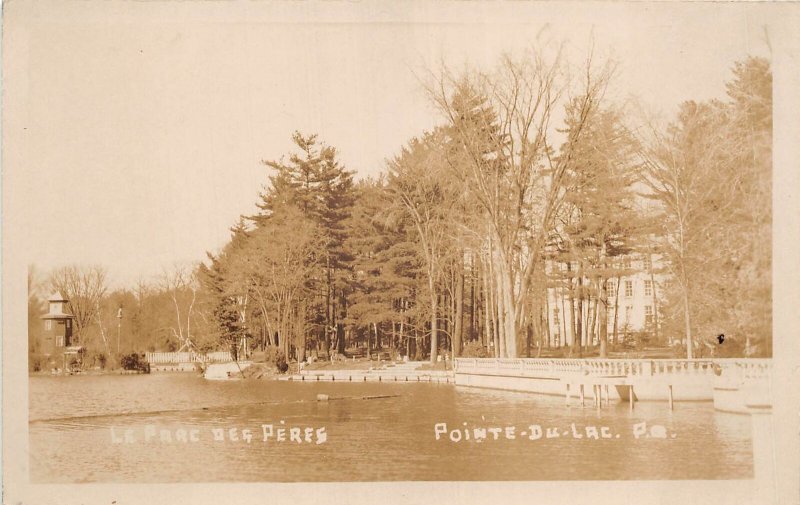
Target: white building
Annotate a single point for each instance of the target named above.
(634, 297)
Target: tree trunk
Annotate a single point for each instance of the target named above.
(687, 322)
(328, 306)
(301, 333)
(655, 303)
(434, 322)
(340, 338)
(546, 321)
(402, 328)
(505, 309)
(528, 335)
(284, 338)
(459, 315)
(591, 332)
(501, 320)
(616, 314)
(579, 317)
(573, 321)
(448, 313)
(603, 319)
(103, 333)
(471, 335)
(571, 294)
(510, 315)
(369, 343)
(563, 342)
(487, 304)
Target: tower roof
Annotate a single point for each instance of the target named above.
(57, 297)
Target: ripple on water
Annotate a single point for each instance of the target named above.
(381, 439)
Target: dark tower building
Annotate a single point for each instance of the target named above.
(57, 338)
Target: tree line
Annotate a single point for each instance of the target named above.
(535, 189)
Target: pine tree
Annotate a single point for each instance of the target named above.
(599, 220)
(313, 181)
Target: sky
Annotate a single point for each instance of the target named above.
(140, 127)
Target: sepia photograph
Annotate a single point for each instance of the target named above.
(396, 248)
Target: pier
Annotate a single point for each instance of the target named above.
(730, 383)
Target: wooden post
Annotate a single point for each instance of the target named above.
(630, 396)
(670, 397)
(608, 396)
(566, 397)
(582, 396)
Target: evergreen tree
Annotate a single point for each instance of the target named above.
(322, 189)
(599, 220)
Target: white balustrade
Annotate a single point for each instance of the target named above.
(747, 368)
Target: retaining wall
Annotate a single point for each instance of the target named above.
(688, 380)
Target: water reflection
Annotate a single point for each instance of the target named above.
(379, 439)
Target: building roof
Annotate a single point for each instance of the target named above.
(57, 315)
(57, 297)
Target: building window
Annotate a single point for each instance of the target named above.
(628, 310)
(69, 323)
(648, 314)
(648, 288)
(628, 289)
(48, 325)
(648, 263)
(626, 263)
(60, 341)
(611, 289)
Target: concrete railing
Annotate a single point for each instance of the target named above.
(500, 365)
(745, 367)
(650, 367)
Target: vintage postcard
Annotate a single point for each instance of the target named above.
(400, 252)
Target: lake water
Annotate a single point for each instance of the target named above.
(379, 439)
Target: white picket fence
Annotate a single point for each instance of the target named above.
(158, 358)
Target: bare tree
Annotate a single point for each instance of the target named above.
(84, 287)
(502, 125)
(688, 170)
(181, 284)
(416, 183)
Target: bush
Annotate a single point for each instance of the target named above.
(474, 349)
(136, 362)
(274, 355)
(271, 353)
(280, 362)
